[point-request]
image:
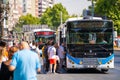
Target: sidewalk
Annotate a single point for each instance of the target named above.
(116, 48)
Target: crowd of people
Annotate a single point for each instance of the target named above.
(22, 61)
(53, 57)
(18, 62)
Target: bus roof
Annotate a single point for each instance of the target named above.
(84, 18)
(73, 19)
(37, 30)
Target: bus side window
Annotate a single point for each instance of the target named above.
(103, 41)
(110, 41)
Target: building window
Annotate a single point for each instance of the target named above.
(24, 7)
(24, 1)
(39, 11)
(40, 15)
(39, 3)
(39, 7)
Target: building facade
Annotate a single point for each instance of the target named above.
(23, 7)
(43, 5)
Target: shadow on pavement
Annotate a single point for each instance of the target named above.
(85, 71)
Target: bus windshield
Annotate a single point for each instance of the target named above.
(89, 32)
(43, 35)
(44, 38)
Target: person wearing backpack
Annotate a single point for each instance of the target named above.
(44, 57)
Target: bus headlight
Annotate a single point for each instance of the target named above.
(110, 60)
(80, 62)
(100, 62)
(72, 62)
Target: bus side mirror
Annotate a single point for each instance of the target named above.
(65, 25)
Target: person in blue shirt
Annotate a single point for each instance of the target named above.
(25, 63)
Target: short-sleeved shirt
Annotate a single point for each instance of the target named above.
(60, 52)
(26, 63)
(52, 52)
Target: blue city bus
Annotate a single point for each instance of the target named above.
(89, 43)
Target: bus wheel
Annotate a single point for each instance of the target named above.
(68, 70)
(104, 70)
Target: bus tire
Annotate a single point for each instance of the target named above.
(68, 70)
(104, 70)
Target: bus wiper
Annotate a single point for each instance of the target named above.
(103, 47)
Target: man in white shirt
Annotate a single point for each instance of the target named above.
(52, 57)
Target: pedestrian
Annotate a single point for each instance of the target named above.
(37, 50)
(52, 58)
(61, 54)
(44, 56)
(5, 74)
(3, 51)
(46, 53)
(33, 47)
(25, 63)
(3, 55)
(118, 43)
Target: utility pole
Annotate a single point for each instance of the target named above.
(92, 9)
(61, 18)
(59, 29)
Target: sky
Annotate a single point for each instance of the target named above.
(74, 6)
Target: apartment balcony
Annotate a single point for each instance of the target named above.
(16, 16)
(15, 11)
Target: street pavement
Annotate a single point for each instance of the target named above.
(88, 74)
(116, 48)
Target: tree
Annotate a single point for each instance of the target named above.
(52, 16)
(29, 19)
(74, 15)
(46, 17)
(111, 9)
(26, 20)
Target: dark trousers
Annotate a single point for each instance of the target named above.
(47, 64)
(5, 74)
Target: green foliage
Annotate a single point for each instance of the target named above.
(74, 15)
(52, 16)
(110, 8)
(46, 18)
(26, 20)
